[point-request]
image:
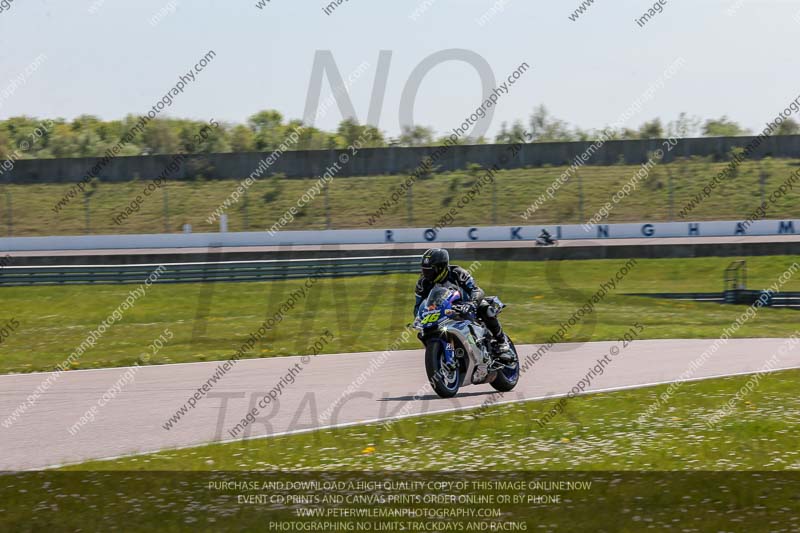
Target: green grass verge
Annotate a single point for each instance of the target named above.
(596, 432)
(209, 322)
(352, 200)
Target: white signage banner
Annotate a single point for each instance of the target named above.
(653, 230)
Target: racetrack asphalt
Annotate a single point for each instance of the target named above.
(359, 388)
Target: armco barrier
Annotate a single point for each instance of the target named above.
(267, 270)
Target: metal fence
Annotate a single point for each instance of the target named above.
(264, 270)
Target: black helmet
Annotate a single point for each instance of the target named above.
(434, 264)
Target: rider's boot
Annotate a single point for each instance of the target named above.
(503, 351)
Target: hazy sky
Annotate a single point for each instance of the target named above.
(113, 61)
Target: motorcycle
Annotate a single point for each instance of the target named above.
(545, 239)
(458, 348)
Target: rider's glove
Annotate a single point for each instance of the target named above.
(468, 308)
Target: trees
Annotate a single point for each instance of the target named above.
(91, 136)
(684, 126)
(160, 137)
(63, 141)
(416, 136)
(651, 130)
(85, 123)
(788, 127)
(267, 128)
(514, 135)
(5, 146)
(214, 140)
(312, 138)
(545, 128)
(722, 127)
(18, 130)
(242, 139)
(351, 133)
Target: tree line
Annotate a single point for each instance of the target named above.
(89, 136)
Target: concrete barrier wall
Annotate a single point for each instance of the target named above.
(377, 161)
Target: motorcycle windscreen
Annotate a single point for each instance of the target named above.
(439, 295)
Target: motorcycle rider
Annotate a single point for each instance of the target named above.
(545, 238)
(436, 268)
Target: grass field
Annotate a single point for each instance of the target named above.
(352, 200)
(210, 322)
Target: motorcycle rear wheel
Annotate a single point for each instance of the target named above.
(508, 377)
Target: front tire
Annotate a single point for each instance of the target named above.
(445, 382)
(508, 377)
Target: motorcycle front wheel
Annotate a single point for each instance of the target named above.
(445, 381)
